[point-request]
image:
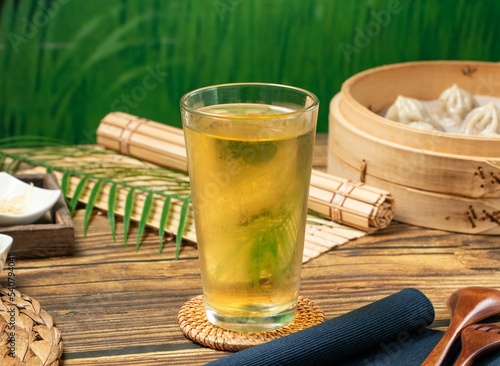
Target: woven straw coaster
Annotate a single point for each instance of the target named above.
(195, 326)
(29, 330)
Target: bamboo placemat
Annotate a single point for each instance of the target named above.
(351, 203)
(34, 338)
(79, 169)
(195, 326)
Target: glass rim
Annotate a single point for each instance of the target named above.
(312, 106)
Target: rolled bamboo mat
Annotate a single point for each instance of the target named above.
(351, 203)
(97, 164)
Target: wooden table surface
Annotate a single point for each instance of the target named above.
(116, 306)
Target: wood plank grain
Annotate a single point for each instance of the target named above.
(118, 306)
(114, 304)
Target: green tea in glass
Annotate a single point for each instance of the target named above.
(249, 149)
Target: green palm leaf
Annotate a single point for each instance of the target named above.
(163, 219)
(111, 210)
(127, 178)
(129, 206)
(90, 205)
(148, 203)
(65, 184)
(180, 229)
(78, 191)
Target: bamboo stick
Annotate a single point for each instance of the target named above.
(341, 200)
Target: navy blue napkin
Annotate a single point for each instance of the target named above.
(390, 331)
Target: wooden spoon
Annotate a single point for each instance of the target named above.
(478, 339)
(467, 306)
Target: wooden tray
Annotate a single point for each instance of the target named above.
(52, 235)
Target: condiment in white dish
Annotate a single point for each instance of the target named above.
(22, 203)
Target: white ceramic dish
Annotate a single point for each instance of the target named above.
(31, 202)
(5, 244)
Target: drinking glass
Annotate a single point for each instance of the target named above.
(249, 149)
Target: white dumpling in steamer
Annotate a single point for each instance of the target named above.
(482, 121)
(410, 111)
(425, 126)
(454, 105)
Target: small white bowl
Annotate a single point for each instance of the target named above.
(36, 201)
(5, 244)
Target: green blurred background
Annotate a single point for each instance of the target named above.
(64, 64)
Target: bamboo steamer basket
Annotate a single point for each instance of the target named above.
(439, 180)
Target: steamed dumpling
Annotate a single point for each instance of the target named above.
(454, 105)
(409, 110)
(422, 126)
(482, 121)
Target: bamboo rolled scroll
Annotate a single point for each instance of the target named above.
(353, 204)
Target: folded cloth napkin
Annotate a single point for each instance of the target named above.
(390, 331)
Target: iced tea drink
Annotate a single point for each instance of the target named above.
(249, 158)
